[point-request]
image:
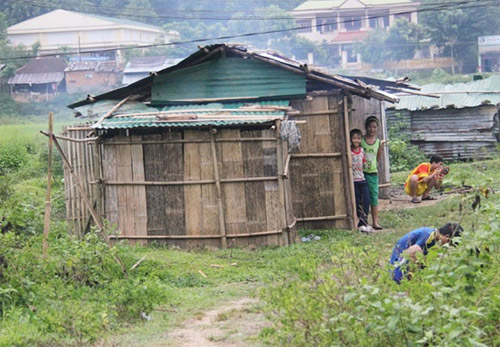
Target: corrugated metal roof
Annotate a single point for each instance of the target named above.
(149, 64)
(37, 78)
(201, 115)
(98, 66)
(461, 95)
(365, 87)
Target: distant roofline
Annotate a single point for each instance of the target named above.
(388, 5)
(116, 21)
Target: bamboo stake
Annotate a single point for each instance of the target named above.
(349, 165)
(88, 204)
(46, 226)
(222, 223)
(281, 184)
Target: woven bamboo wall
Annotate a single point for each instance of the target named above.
(165, 187)
(319, 174)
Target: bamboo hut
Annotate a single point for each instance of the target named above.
(195, 154)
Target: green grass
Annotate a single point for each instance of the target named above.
(258, 269)
(245, 272)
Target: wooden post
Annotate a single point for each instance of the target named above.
(281, 185)
(349, 164)
(46, 226)
(222, 223)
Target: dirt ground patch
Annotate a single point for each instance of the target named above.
(400, 200)
(237, 323)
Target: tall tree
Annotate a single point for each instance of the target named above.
(458, 28)
(402, 40)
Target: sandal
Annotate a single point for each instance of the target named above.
(415, 201)
(377, 227)
(428, 197)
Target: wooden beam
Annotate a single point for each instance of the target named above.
(46, 225)
(281, 185)
(349, 165)
(110, 112)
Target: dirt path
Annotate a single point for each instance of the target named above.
(237, 323)
(399, 199)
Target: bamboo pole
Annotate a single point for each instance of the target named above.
(181, 183)
(349, 165)
(222, 222)
(281, 185)
(243, 139)
(316, 155)
(187, 237)
(66, 138)
(314, 219)
(46, 226)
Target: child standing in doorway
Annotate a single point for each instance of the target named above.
(373, 151)
(360, 186)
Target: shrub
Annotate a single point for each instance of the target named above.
(453, 301)
(403, 155)
(74, 295)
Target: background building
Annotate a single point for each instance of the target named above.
(62, 30)
(341, 23)
(489, 53)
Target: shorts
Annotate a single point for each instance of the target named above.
(372, 181)
(421, 188)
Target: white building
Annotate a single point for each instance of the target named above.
(342, 22)
(62, 30)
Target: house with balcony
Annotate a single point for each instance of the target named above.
(91, 37)
(341, 23)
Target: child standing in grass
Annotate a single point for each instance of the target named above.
(360, 186)
(373, 150)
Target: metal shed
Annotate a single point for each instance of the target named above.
(459, 122)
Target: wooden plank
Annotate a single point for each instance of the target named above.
(155, 170)
(218, 191)
(271, 190)
(137, 161)
(126, 202)
(255, 195)
(233, 193)
(110, 192)
(211, 223)
(192, 193)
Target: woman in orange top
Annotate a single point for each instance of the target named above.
(423, 178)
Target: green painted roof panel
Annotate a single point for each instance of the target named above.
(227, 78)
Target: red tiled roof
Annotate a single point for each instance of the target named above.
(350, 36)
